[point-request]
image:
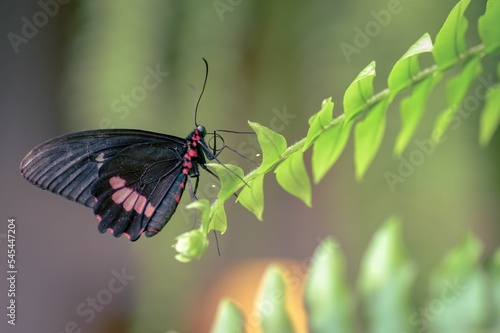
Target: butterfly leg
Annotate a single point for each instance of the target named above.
(192, 192)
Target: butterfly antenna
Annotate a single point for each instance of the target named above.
(234, 132)
(202, 91)
(240, 155)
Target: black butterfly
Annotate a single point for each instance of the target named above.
(132, 179)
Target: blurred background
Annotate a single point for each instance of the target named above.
(76, 65)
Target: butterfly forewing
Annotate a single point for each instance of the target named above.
(68, 165)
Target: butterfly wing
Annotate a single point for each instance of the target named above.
(70, 166)
(139, 189)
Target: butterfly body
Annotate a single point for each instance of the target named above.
(132, 179)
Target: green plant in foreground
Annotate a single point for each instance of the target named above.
(463, 296)
(365, 114)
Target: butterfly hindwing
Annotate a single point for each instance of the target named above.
(139, 189)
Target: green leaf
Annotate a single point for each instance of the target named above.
(252, 196)
(368, 137)
(293, 178)
(384, 256)
(460, 261)
(462, 288)
(407, 67)
(386, 277)
(218, 219)
(318, 122)
(450, 40)
(360, 90)
(230, 177)
(490, 117)
(311, 119)
(327, 297)
(272, 298)
(328, 148)
(458, 86)
(191, 245)
(412, 109)
(441, 124)
(272, 145)
(202, 206)
(456, 90)
(489, 29)
(229, 318)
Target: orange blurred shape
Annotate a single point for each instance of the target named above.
(241, 283)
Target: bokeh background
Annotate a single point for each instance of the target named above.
(267, 59)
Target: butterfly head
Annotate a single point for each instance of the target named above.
(202, 131)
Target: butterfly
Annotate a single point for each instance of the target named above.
(132, 179)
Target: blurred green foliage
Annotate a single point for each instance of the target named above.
(461, 295)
